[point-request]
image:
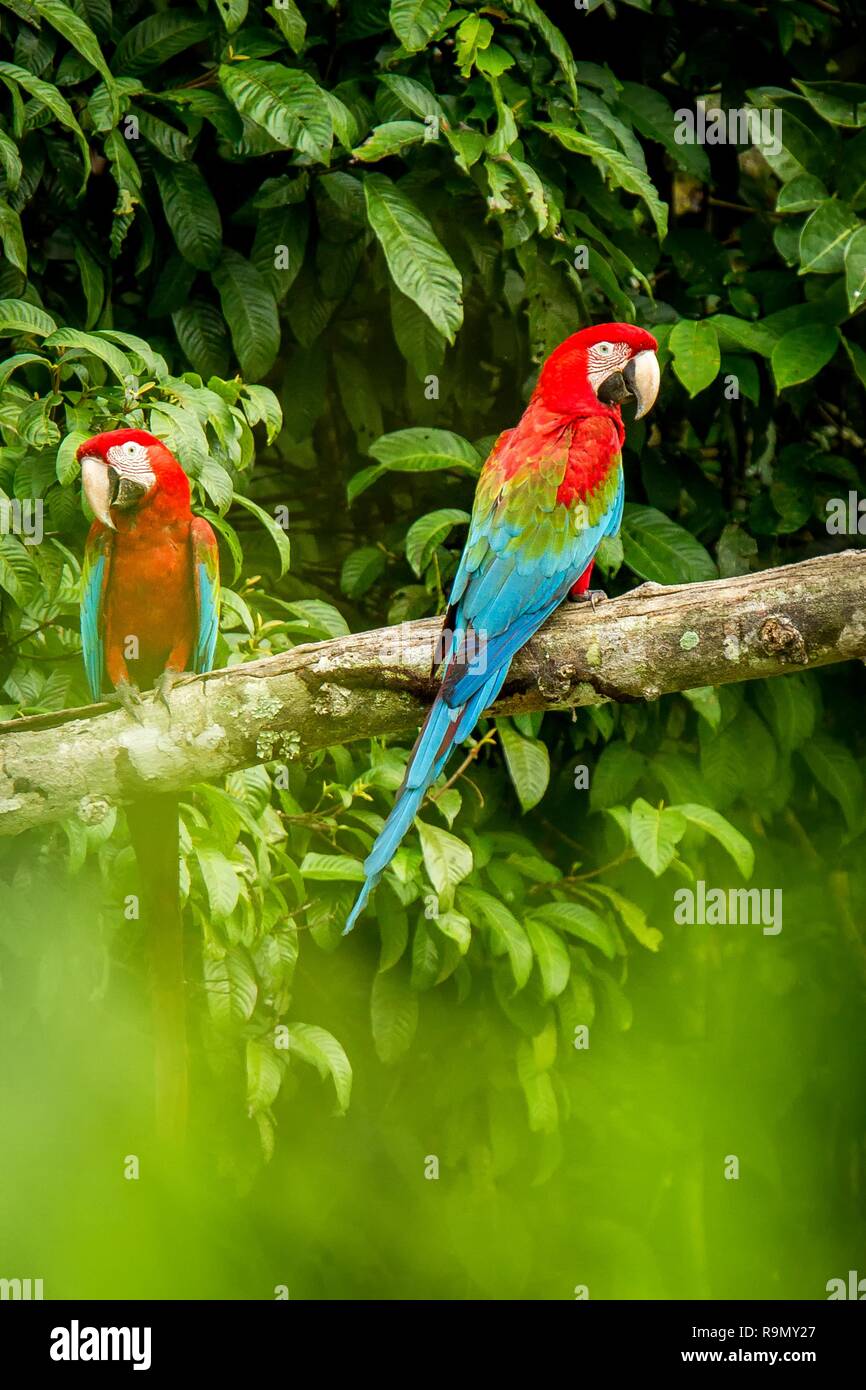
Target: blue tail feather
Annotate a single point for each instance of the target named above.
(424, 767)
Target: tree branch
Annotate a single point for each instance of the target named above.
(650, 642)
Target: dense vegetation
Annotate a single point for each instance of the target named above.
(321, 249)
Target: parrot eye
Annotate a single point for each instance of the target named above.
(130, 449)
(605, 349)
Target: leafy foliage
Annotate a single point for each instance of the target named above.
(322, 251)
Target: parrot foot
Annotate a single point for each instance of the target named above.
(593, 596)
(165, 683)
(128, 696)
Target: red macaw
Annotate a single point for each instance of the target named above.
(551, 489)
(150, 606)
(149, 611)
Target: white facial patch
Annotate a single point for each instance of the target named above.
(604, 358)
(132, 461)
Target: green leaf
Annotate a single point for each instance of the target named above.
(657, 549)
(92, 282)
(394, 1016)
(728, 837)
(655, 834)
(202, 335)
(67, 466)
(77, 342)
(554, 962)
(332, 868)
(789, 709)
(580, 921)
(840, 103)
(251, 313)
(279, 246)
(83, 40)
(802, 353)
(18, 316)
(264, 1074)
(323, 617)
(361, 568)
(419, 264)
(285, 102)
(290, 22)
(472, 35)
(191, 213)
(634, 917)
(416, 21)
(507, 933)
(420, 343)
(158, 38)
(535, 16)
(835, 768)
(413, 95)
(232, 13)
(528, 764)
(447, 860)
(390, 139)
(695, 347)
(262, 407)
(802, 194)
(12, 237)
(230, 987)
(220, 880)
(653, 117)
(619, 169)
(172, 143)
(428, 532)
(855, 270)
(417, 450)
(11, 161)
(322, 1051)
(49, 96)
(276, 533)
(824, 236)
(614, 776)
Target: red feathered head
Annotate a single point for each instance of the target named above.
(124, 470)
(606, 364)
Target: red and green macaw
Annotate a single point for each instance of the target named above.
(149, 611)
(150, 606)
(551, 489)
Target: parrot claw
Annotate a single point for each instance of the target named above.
(128, 696)
(593, 596)
(165, 683)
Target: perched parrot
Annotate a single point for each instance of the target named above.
(149, 611)
(551, 489)
(150, 606)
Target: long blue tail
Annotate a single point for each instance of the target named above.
(444, 726)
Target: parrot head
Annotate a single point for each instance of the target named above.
(607, 364)
(123, 470)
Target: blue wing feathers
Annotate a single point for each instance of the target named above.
(207, 592)
(92, 602)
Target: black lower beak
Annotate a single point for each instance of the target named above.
(123, 492)
(614, 389)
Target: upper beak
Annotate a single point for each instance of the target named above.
(98, 486)
(641, 375)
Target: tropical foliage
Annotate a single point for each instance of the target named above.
(322, 249)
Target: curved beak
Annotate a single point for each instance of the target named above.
(641, 376)
(98, 486)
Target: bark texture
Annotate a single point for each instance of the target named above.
(650, 642)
